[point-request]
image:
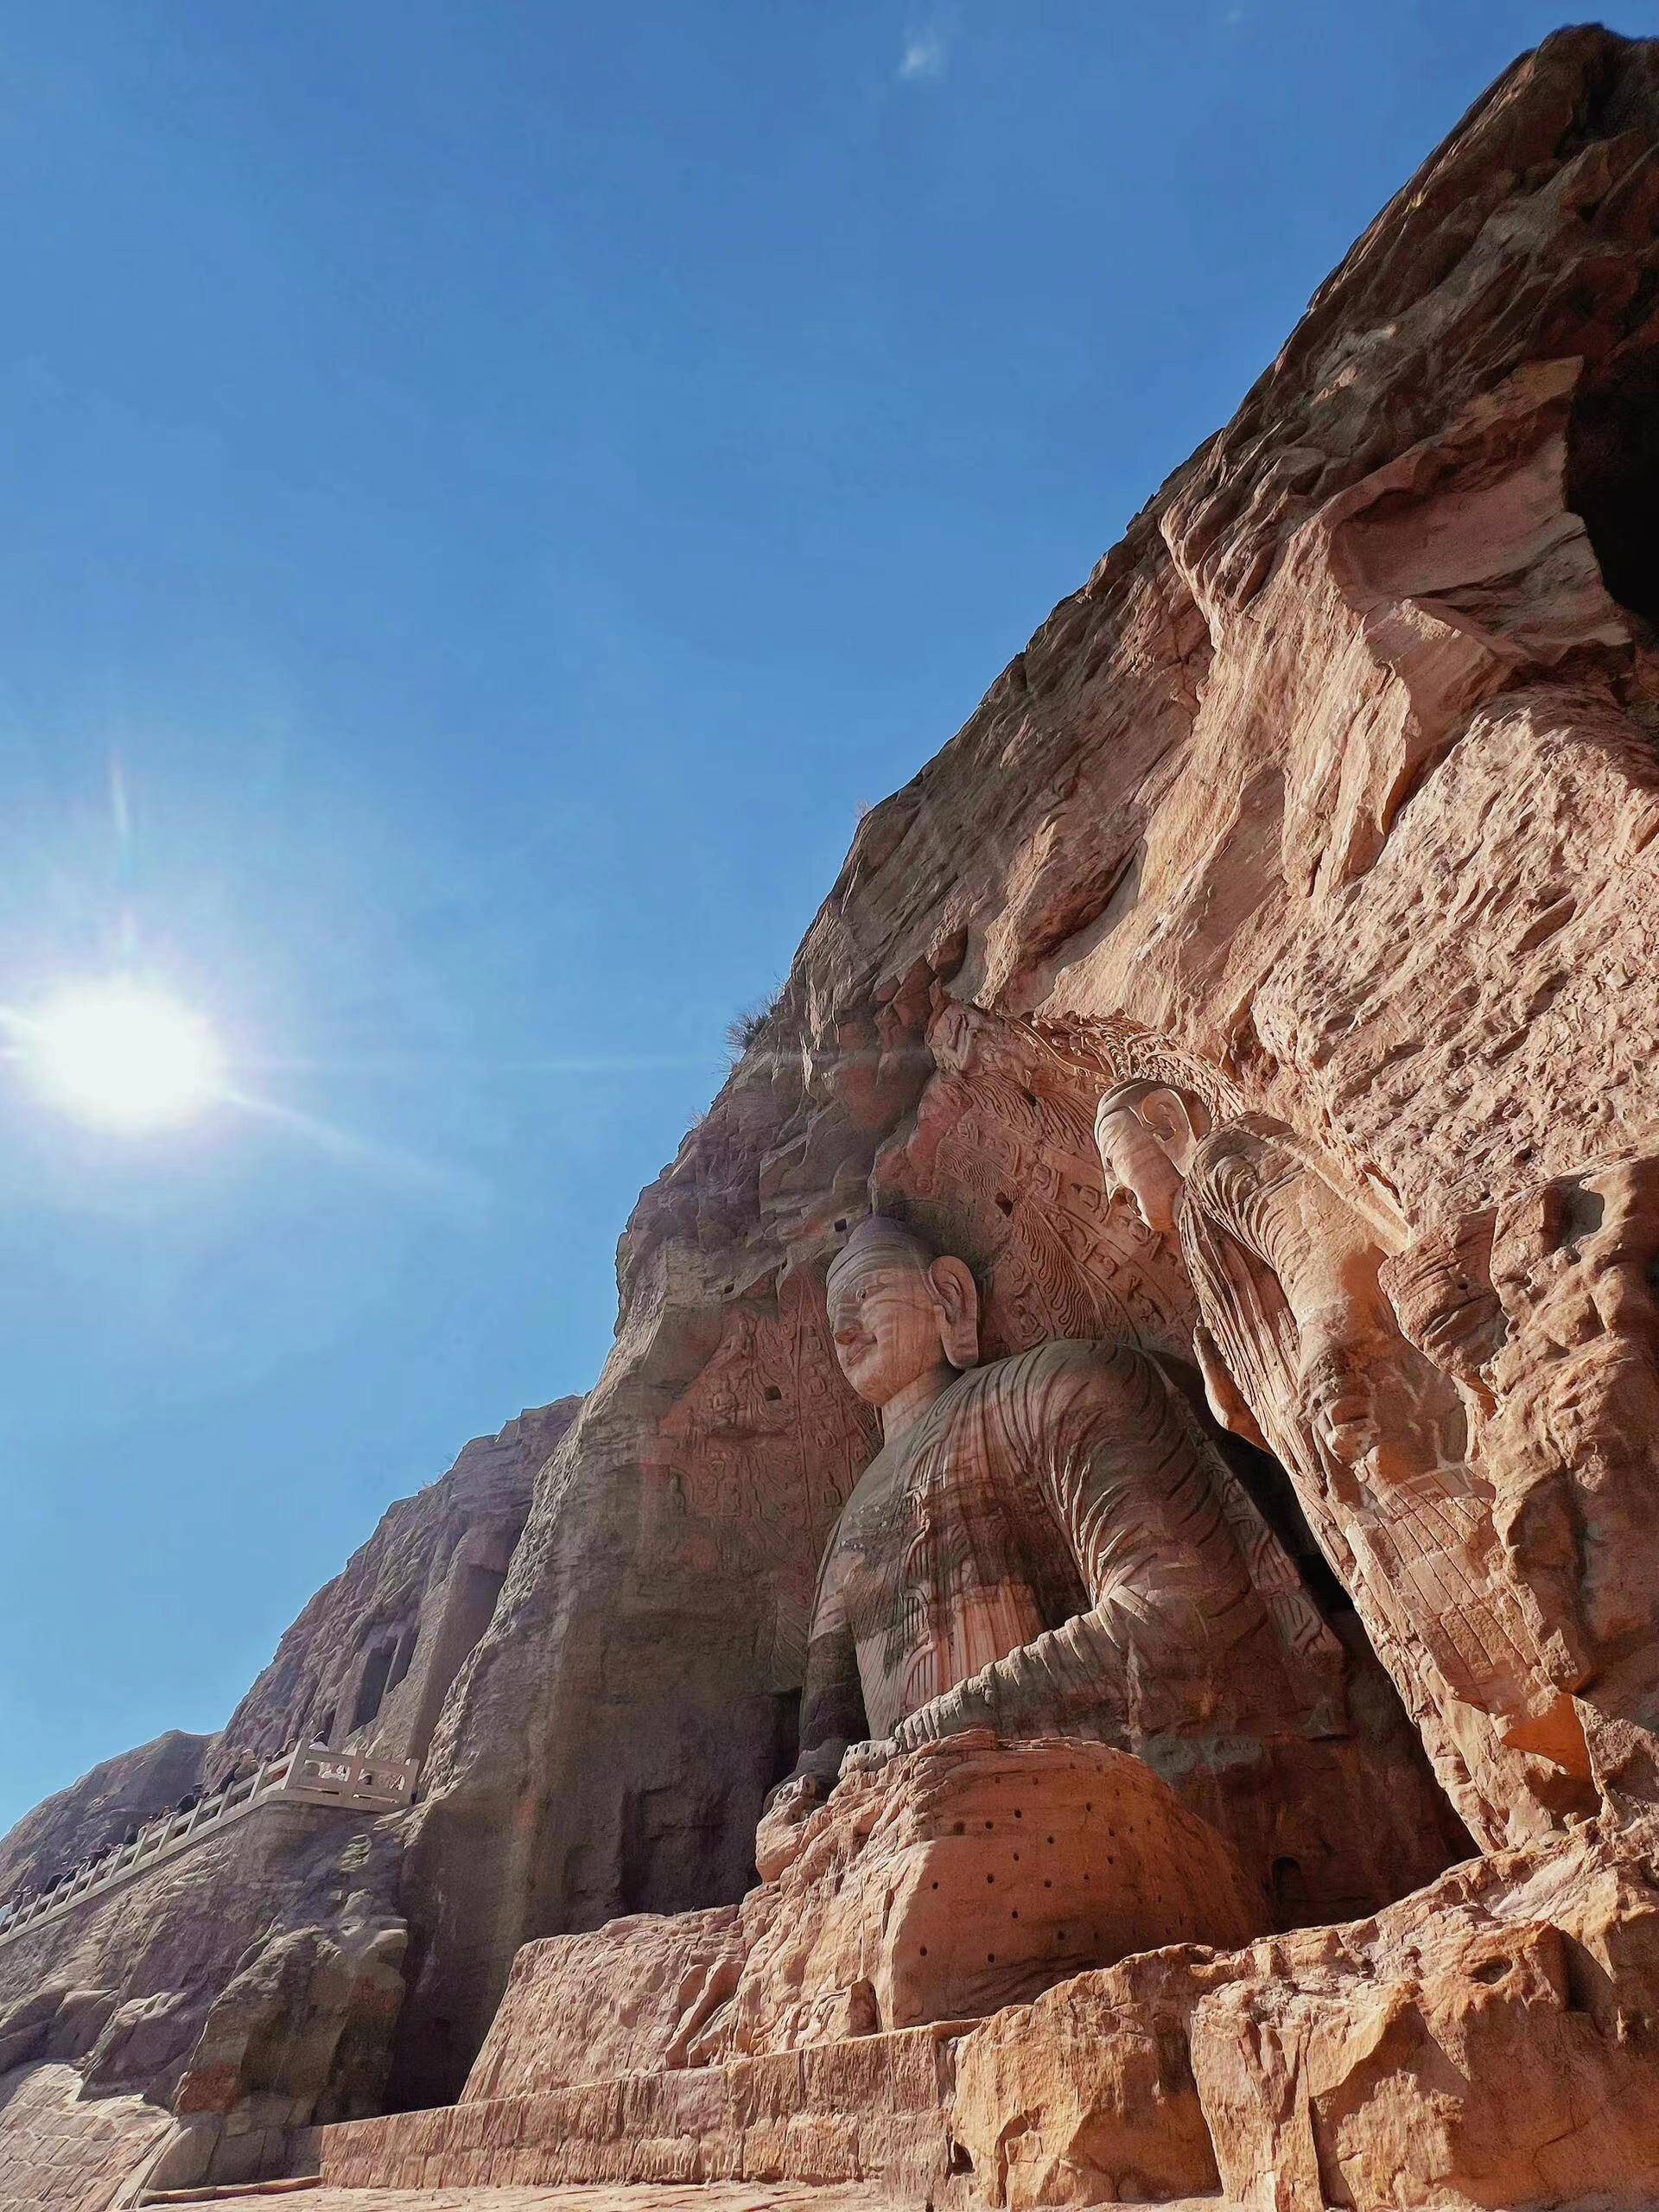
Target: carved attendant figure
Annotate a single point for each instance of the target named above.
(1301, 1349)
(1544, 1310)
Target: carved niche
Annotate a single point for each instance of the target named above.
(1000, 1165)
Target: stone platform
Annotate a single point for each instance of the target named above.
(714, 2196)
(937, 1886)
(834, 2113)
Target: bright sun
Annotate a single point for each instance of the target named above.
(124, 1056)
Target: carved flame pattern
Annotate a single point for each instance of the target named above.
(1001, 1167)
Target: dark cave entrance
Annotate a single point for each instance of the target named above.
(1612, 482)
(373, 1688)
(1378, 1715)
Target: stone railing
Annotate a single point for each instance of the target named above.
(312, 1777)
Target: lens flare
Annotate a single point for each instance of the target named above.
(123, 1055)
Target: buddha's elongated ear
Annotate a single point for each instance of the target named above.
(956, 1295)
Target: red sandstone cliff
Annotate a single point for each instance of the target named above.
(117, 1795)
(1338, 772)
(282, 1932)
(1339, 776)
(371, 1658)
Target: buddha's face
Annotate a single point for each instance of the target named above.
(1135, 1158)
(886, 1322)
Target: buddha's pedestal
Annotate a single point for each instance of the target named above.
(940, 1885)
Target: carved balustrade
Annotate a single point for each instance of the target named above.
(311, 1776)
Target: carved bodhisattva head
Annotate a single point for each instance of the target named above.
(1148, 1133)
(904, 1323)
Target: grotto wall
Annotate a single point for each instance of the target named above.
(370, 1659)
(1337, 784)
(1317, 836)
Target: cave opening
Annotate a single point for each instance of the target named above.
(1612, 483)
(373, 1688)
(406, 1644)
(1384, 1731)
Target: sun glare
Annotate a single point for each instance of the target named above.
(124, 1057)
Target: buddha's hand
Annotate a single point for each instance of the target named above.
(1340, 1401)
(814, 1774)
(969, 1705)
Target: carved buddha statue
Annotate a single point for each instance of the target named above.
(1052, 1546)
(1301, 1350)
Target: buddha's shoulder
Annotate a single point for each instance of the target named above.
(1075, 1362)
(1242, 1156)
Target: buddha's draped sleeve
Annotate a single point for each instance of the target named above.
(832, 1703)
(1091, 1444)
(1240, 1238)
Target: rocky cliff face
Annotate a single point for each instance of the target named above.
(252, 1979)
(118, 1795)
(370, 1660)
(368, 1663)
(1329, 805)
(1337, 779)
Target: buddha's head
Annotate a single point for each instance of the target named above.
(898, 1315)
(1148, 1133)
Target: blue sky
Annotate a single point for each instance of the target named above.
(493, 490)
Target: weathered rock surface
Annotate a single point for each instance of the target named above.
(835, 2113)
(301, 2033)
(712, 2196)
(627, 1998)
(118, 1795)
(1331, 802)
(252, 1983)
(936, 1887)
(1489, 2042)
(60, 2152)
(128, 1981)
(370, 1660)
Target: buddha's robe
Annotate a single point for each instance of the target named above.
(1056, 1548)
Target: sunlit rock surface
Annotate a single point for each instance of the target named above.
(1331, 800)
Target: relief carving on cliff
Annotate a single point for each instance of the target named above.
(1050, 1547)
(1044, 1545)
(1543, 1313)
(764, 1446)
